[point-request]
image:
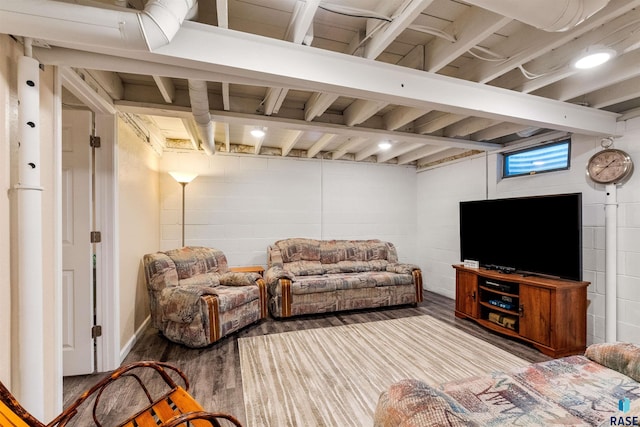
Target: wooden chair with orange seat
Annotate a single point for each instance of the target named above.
(174, 406)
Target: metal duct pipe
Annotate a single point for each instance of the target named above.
(200, 110)
(548, 15)
(29, 241)
(60, 22)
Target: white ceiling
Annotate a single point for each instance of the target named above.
(439, 79)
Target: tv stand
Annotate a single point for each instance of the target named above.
(548, 313)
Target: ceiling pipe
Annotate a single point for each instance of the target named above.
(111, 27)
(547, 15)
(200, 110)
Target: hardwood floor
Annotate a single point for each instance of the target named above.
(214, 372)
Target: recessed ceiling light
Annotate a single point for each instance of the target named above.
(385, 145)
(257, 132)
(593, 57)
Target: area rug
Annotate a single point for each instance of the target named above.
(334, 376)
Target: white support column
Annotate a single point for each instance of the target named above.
(610, 249)
(29, 237)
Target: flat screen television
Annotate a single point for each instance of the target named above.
(540, 235)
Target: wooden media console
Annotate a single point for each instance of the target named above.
(550, 314)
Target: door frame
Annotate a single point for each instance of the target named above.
(107, 291)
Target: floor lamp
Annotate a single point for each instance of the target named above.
(183, 178)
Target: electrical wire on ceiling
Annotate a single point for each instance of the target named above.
(354, 12)
(493, 57)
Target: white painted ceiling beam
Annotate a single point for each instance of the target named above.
(617, 70)
(468, 126)
(360, 110)
(303, 67)
(273, 100)
(400, 116)
(349, 145)
(318, 104)
(291, 140)
(419, 153)
(320, 144)
(367, 151)
(302, 20)
(98, 103)
(384, 37)
(166, 87)
(222, 11)
(226, 138)
(243, 119)
(110, 82)
(259, 141)
(539, 42)
(474, 26)
(613, 94)
(192, 129)
(555, 65)
(436, 121)
(497, 131)
(398, 150)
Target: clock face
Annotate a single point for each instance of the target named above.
(609, 166)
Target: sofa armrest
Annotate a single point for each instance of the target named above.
(621, 357)
(276, 273)
(413, 403)
(234, 278)
(402, 268)
(181, 303)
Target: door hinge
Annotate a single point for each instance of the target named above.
(94, 141)
(96, 237)
(96, 331)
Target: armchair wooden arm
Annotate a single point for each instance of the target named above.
(173, 408)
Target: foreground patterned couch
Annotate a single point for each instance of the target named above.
(195, 299)
(598, 389)
(317, 276)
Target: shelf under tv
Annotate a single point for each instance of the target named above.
(549, 314)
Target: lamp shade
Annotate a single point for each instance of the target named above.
(183, 177)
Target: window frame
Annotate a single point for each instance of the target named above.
(562, 141)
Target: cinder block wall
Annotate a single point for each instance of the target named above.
(241, 204)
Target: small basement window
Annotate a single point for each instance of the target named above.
(531, 161)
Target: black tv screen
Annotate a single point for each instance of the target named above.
(531, 235)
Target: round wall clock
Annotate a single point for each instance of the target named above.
(609, 166)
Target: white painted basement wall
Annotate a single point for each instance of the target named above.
(439, 191)
(241, 203)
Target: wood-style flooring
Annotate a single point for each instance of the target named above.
(214, 372)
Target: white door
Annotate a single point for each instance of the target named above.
(77, 251)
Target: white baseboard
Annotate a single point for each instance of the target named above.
(132, 341)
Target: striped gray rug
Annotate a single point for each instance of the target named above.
(334, 376)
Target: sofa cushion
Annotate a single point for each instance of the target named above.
(304, 268)
(293, 250)
(230, 297)
(412, 403)
(193, 260)
(206, 279)
(235, 278)
(385, 278)
(621, 357)
(181, 303)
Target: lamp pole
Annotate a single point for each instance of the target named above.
(183, 184)
(183, 179)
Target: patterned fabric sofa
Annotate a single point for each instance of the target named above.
(195, 299)
(598, 389)
(307, 276)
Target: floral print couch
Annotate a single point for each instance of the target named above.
(195, 299)
(307, 276)
(599, 388)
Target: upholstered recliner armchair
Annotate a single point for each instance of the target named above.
(195, 299)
